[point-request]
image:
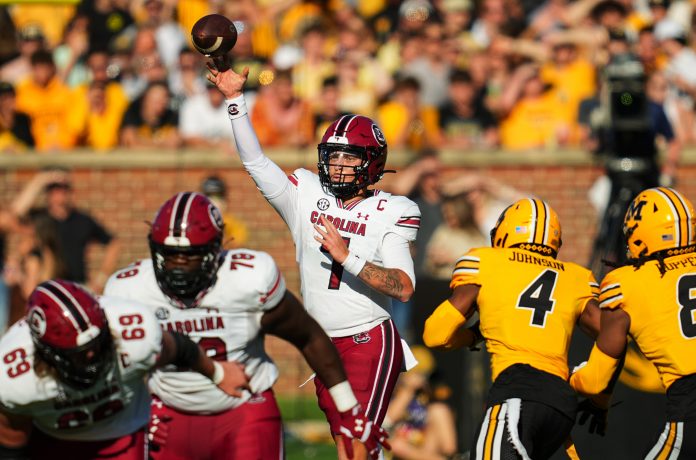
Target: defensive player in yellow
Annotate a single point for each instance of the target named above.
(653, 299)
(529, 303)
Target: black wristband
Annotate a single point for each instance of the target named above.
(14, 453)
(187, 352)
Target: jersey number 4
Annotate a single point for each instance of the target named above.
(538, 297)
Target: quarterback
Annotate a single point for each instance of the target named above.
(652, 300)
(351, 244)
(74, 368)
(227, 301)
(529, 303)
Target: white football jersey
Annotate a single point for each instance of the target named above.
(340, 302)
(227, 324)
(119, 404)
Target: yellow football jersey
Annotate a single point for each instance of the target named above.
(528, 305)
(662, 311)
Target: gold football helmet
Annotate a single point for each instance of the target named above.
(658, 219)
(529, 224)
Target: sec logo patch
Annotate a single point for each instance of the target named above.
(323, 204)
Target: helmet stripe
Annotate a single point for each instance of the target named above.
(67, 302)
(349, 122)
(178, 212)
(541, 223)
(685, 218)
(547, 223)
(187, 210)
(534, 221)
(675, 212)
(342, 125)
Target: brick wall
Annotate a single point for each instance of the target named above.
(123, 190)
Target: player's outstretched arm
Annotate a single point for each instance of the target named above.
(14, 435)
(290, 321)
(443, 328)
(594, 376)
(179, 350)
(269, 178)
(389, 281)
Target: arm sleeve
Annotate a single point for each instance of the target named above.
(397, 254)
(269, 178)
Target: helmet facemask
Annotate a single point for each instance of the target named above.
(83, 366)
(186, 283)
(360, 173)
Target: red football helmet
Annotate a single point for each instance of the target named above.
(188, 224)
(70, 332)
(360, 136)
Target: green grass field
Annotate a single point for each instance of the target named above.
(306, 430)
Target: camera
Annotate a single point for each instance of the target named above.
(623, 118)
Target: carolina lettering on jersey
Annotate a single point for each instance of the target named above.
(103, 394)
(187, 326)
(528, 305)
(344, 225)
(531, 258)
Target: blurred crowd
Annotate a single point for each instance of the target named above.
(458, 74)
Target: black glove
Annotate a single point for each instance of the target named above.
(597, 415)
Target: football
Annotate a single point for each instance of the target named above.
(213, 35)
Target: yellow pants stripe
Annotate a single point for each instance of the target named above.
(492, 424)
(666, 449)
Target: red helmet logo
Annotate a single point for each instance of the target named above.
(36, 319)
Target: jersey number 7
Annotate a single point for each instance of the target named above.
(336, 268)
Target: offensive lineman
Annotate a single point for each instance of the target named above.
(227, 301)
(351, 242)
(75, 369)
(652, 300)
(529, 303)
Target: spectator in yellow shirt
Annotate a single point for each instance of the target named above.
(535, 116)
(99, 105)
(48, 103)
(573, 79)
(405, 122)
